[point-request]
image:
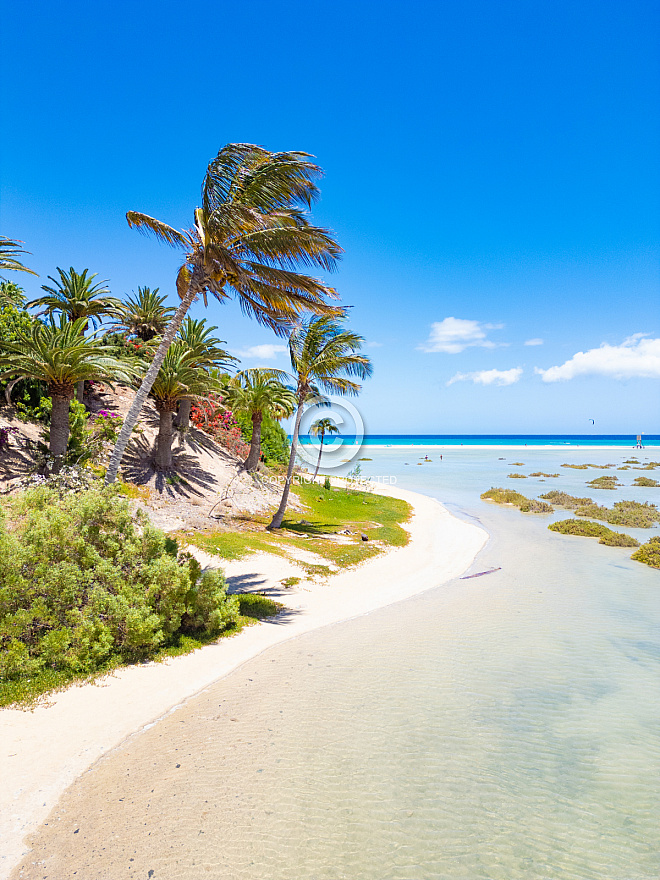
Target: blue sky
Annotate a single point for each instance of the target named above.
(491, 172)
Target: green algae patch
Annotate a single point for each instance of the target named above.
(585, 529)
(510, 496)
(649, 553)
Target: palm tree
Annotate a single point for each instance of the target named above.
(319, 429)
(9, 251)
(179, 377)
(205, 352)
(11, 295)
(323, 355)
(144, 315)
(76, 297)
(256, 393)
(249, 236)
(60, 355)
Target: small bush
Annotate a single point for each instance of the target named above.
(604, 483)
(562, 499)
(87, 583)
(510, 496)
(649, 553)
(257, 605)
(327, 485)
(646, 482)
(586, 529)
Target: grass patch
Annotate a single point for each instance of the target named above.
(510, 496)
(517, 476)
(320, 529)
(518, 464)
(290, 581)
(541, 474)
(604, 483)
(649, 553)
(576, 467)
(586, 529)
(646, 482)
(624, 513)
(562, 499)
(257, 606)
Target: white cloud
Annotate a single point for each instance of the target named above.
(535, 341)
(267, 352)
(636, 357)
(453, 335)
(489, 377)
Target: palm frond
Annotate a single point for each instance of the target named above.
(150, 226)
(10, 250)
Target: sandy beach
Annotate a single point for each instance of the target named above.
(45, 750)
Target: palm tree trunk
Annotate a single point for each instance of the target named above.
(182, 419)
(163, 456)
(80, 390)
(276, 522)
(318, 463)
(252, 461)
(59, 430)
(145, 387)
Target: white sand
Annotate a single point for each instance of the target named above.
(44, 750)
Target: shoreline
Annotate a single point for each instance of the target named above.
(47, 748)
(554, 446)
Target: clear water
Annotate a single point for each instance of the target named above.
(504, 727)
(624, 440)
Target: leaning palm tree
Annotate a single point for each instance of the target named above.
(144, 314)
(9, 252)
(76, 297)
(249, 237)
(206, 352)
(255, 393)
(323, 356)
(60, 355)
(179, 377)
(319, 429)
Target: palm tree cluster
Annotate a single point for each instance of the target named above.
(252, 240)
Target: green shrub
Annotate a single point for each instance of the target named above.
(586, 529)
(604, 483)
(327, 484)
(562, 499)
(645, 481)
(649, 553)
(256, 605)
(87, 583)
(510, 496)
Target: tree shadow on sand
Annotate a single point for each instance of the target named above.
(187, 479)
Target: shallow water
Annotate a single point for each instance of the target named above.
(501, 727)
